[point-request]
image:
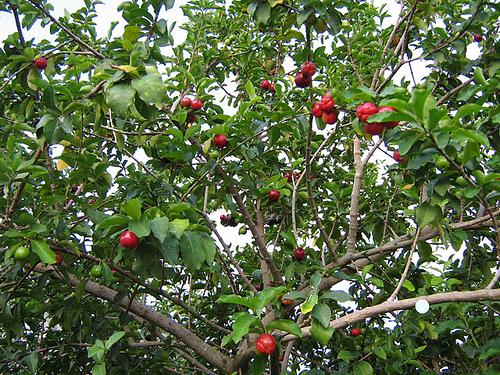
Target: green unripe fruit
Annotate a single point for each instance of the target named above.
(243, 230)
(442, 162)
(214, 154)
(462, 181)
(96, 271)
(21, 253)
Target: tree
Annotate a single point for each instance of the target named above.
(102, 140)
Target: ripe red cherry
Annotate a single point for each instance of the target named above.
(288, 176)
(299, 254)
(355, 332)
(59, 258)
(302, 81)
(286, 302)
(391, 124)
(272, 88)
(478, 38)
(223, 219)
(196, 104)
(330, 118)
(185, 102)
(397, 156)
(273, 195)
(41, 63)
(308, 69)
(374, 129)
(129, 240)
(265, 344)
(365, 110)
(220, 140)
(264, 84)
(327, 103)
(316, 110)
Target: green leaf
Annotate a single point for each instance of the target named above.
(427, 213)
(250, 89)
(192, 253)
(235, 299)
(267, 296)
(337, 295)
(417, 101)
(151, 88)
(115, 337)
(132, 208)
(315, 280)
(322, 314)
(390, 116)
(320, 333)
(380, 352)
(160, 227)
(466, 110)
(466, 134)
(179, 226)
(192, 130)
(295, 295)
(263, 12)
(119, 97)
(43, 251)
(242, 324)
(141, 228)
(285, 325)
(99, 369)
(409, 139)
(362, 368)
(170, 249)
(32, 361)
(208, 246)
(132, 33)
(112, 221)
(407, 284)
(309, 304)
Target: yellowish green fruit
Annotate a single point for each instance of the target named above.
(21, 253)
(442, 162)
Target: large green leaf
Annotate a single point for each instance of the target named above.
(119, 97)
(160, 227)
(115, 337)
(427, 213)
(322, 313)
(285, 325)
(43, 251)
(362, 368)
(151, 89)
(140, 227)
(170, 248)
(192, 253)
(243, 322)
(337, 295)
(132, 208)
(321, 333)
(179, 226)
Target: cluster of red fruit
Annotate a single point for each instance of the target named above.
(291, 175)
(365, 110)
(304, 77)
(265, 84)
(325, 109)
(226, 220)
(195, 105)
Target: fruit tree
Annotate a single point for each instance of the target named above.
(270, 195)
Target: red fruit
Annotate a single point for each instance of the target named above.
(286, 302)
(196, 104)
(41, 63)
(220, 140)
(273, 195)
(265, 344)
(299, 254)
(355, 332)
(265, 84)
(185, 102)
(308, 69)
(374, 129)
(478, 38)
(316, 110)
(190, 118)
(129, 240)
(391, 124)
(272, 88)
(258, 287)
(288, 176)
(396, 156)
(327, 103)
(330, 118)
(302, 81)
(365, 110)
(59, 258)
(223, 218)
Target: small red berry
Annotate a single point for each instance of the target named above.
(327, 103)
(41, 63)
(223, 219)
(355, 332)
(286, 302)
(391, 124)
(59, 258)
(265, 84)
(302, 81)
(191, 117)
(196, 104)
(396, 156)
(478, 38)
(185, 102)
(299, 254)
(220, 140)
(365, 110)
(129, 239)
(330, 118)
(374, 129)
(288, 176)
(272, 88)
(265, 344)
(316, 110)
(273, 195)
(308, 69)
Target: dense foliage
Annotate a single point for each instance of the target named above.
(95, 139)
